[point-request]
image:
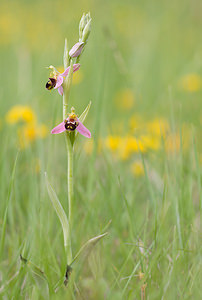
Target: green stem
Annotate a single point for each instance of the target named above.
(70, 192)
(66, 91)
(70, 178)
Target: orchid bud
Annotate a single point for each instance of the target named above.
(86, 31)
(76, 49)
(84, 27)
(81, 26)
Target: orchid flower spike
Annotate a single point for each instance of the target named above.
(56, 79)
(70, 124)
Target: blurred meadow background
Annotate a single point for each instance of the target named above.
(137, 178)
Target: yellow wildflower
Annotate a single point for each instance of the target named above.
(129, 145)
(20, 113)
(158, 127)
(137, 168)
(123, 151)
(124, 99)
(150, 142)
(113, 142)
(191, 82)
(30, 132)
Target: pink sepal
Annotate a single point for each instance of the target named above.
(60, 90)
(58, 129)
(75, 68)
(76, 49)
(83, 130)
(59, 82)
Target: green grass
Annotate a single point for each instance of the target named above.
(158, 43)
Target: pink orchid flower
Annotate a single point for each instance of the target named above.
(70, 124)
(56, 79)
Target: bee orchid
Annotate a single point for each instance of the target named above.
(56, 79)
(70, 124)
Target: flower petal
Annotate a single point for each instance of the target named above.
(60, 90)
(75, 68)
(58, 129)
(76, 49)
(59, 82)
(83, 130)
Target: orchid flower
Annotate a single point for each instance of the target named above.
(70, 124)
(56, 79)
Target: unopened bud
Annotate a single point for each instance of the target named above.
(76, 49)
(81, 26)
(84, 27)
(86, 31)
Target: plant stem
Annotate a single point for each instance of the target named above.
(66, 91)
(70, 178)
(70, 192)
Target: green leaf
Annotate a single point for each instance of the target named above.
(59, 211)
(85, 113)
(87, 247)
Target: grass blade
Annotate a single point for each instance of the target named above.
(8, 201)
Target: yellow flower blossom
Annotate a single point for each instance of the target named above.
(30, 132)
(129, 145)
(20, 113)
(158, 127)
(113, 142)
(123, 152)
(150, 142)
(191, 82)
(124, 146)
(137, 168)
(124, 99)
